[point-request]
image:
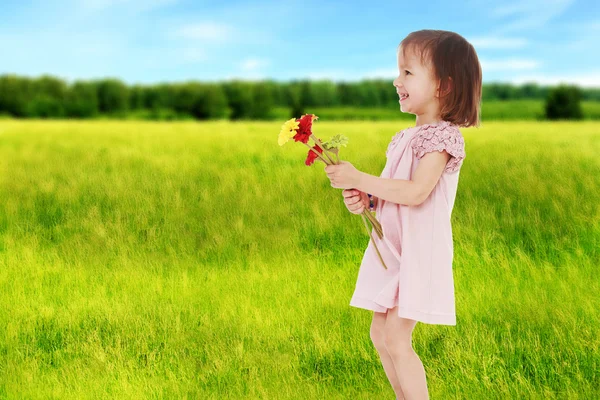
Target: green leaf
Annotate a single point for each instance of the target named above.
(336, 142)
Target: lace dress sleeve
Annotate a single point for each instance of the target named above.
(438, 138)
(393, 142)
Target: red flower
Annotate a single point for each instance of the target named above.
(304, 128)
(310, 159)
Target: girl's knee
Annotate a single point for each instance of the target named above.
(398, 334)
(377, 331)
(397, 346)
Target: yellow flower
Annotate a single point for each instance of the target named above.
(288, 131)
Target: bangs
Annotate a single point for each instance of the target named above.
(420, 51)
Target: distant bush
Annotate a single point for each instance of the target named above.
(211, 103)
(82, 100)
(47, 98)
(15, 93)
(113, 96)
(44, 106)
(564, 102)
(239, 99)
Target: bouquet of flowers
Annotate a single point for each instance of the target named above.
(300, 129)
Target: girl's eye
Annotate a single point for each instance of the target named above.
(407, 71)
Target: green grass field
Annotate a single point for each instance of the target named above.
(508, 110)
(203, 261)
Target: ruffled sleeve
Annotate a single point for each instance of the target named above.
(395, 139)
(444, 136)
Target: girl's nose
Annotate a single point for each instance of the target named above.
(397, 82)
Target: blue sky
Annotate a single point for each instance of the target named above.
(546, 41)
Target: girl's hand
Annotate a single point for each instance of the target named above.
(355, 200)
(343, 175)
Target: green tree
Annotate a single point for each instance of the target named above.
(564, 102)
(48, 98)
(262, 101)
(113, 96)
(136, 97)
(82, 100)
(211, 103)
(15, 94)
(295, 99)
(186, 97)
(325, 93)
(239, 99)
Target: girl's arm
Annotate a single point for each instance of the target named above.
(408, 192)
(398, 191)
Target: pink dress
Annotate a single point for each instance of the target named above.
(417, 245)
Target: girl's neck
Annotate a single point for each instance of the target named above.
(425, 120)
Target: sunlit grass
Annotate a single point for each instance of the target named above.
(202, 260)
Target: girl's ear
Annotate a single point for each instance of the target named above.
(449, 87)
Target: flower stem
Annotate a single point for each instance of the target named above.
(318, 142)
(374, 222)
(318, 154)
(374, 244)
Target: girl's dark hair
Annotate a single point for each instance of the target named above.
(453, 59)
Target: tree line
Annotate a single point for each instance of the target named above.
(52, 97)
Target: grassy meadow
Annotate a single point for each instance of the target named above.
(189, 260)
(503, 110)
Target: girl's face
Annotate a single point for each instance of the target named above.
(418, 82)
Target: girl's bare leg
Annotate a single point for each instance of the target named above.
(408, 366)
(378, 339)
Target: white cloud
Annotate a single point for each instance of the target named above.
(251, 64)
(508, 64)
(210, 31)
(520, 7)
(489, 42)
(590, 79)
(529, 14)
(213, 32)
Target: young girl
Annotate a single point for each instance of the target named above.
(439, 82)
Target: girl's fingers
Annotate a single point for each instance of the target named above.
(352, 200)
